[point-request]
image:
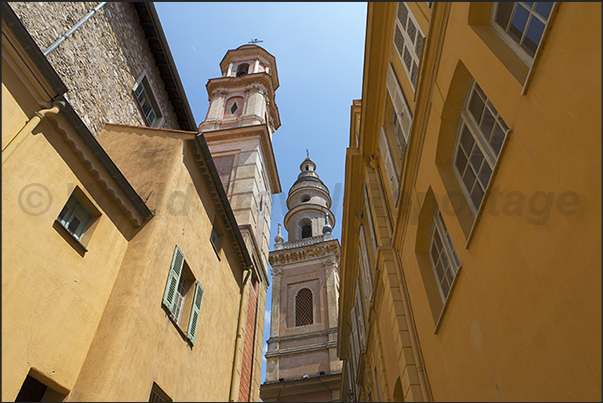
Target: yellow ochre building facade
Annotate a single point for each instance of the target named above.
(127, 273)
(471, 238)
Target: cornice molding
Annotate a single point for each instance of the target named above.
(97, 169)
(260, 131)
(303, 349)
(232, 84)
(323, 250)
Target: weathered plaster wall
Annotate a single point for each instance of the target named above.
(136, 340)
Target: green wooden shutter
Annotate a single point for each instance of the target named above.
(173, 279)
(195, 312)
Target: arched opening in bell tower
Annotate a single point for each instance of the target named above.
(305, 226)
(242, 69)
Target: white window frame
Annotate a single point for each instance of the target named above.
(408, 37)
(479, 145)
(180, 296)
(446, 255)
(503, 32)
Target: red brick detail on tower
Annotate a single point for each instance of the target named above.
(249, 343)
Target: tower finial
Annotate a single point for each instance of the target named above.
(255, 41)
(279, 237)
(327, 229)
(307, 153)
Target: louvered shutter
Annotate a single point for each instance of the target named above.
(399, 102)
(388, 161)
(173, 279)
(193, 321)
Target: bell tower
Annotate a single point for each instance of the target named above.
(302, 362)
(238, 129)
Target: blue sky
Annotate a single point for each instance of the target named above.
(319, 50)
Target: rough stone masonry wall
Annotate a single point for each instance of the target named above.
(100, 62)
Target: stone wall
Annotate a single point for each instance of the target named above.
(100, 62)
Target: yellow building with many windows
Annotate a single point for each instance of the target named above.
(471, 240)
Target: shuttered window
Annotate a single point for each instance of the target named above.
(388, 162)
(402, 119)
(356, 341)
(195, 312)
(369, 216)
(365, 269)
(180, 297)
(360, 313)
(408, 41)
(171, 287)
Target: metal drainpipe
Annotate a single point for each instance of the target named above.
(237, 355)
(28, 128)
(72, 30)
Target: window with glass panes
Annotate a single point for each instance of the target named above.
(408, 40)
(521, 25)
(442, 256)
(147, 104)
(478, 143)
(180, 296)
(75, 217)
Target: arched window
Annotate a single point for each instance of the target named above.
(242, 69)
(304, 308)
(306, 231)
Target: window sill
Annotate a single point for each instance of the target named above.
(452, 286)
(70, 238)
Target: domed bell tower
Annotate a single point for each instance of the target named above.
(238, 129)
(302, 362)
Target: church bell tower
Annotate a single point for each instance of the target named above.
(238, 129)
(302, 362)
